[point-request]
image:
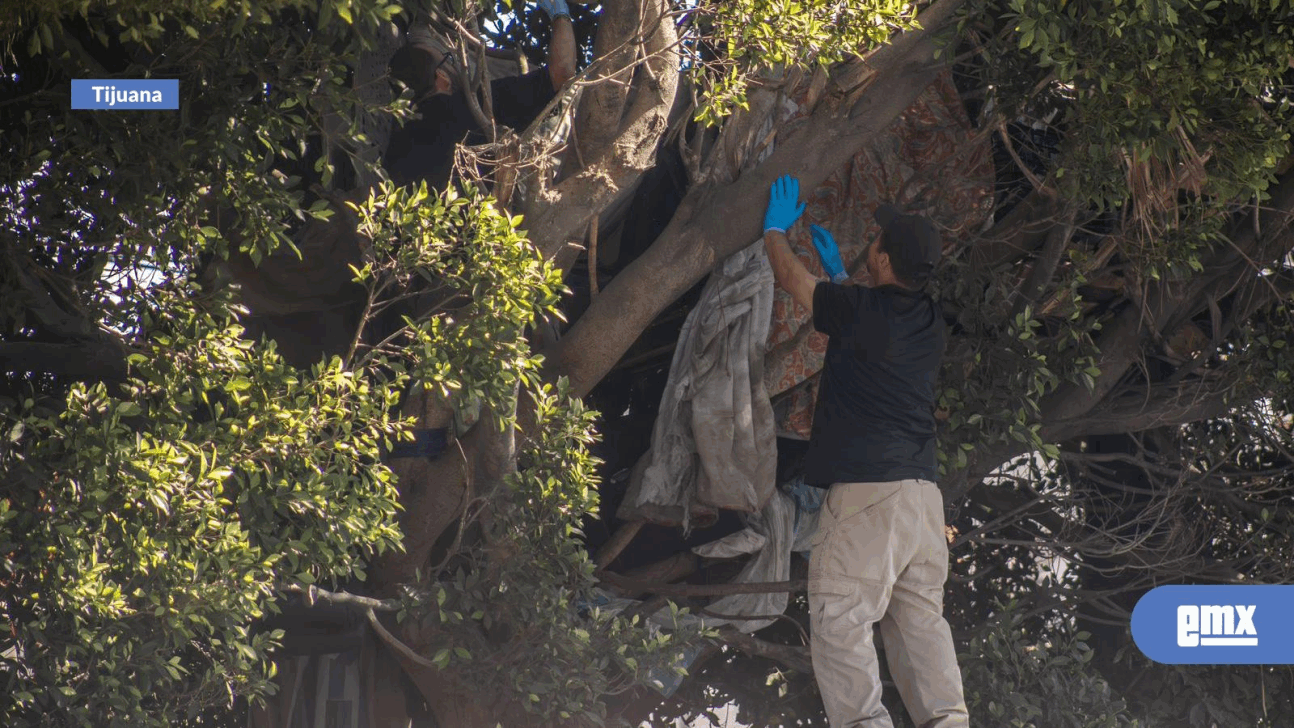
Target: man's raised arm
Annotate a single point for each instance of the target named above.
(561, 49)
(782, 213)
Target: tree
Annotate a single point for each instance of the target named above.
(220, 324)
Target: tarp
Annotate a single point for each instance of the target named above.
(713, 441)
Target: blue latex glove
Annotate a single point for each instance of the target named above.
(829, 254)
(782, 210)
(555, 8)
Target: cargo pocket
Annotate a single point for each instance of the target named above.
(831, 604)
(840, 607)
(858, 548)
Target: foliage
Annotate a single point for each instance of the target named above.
(148, 525)
(1153, 97)
(1007, 360)
(514, 611)
(1021, 679)
(146, 23)
(1257, 695)
(733, 43)
(1169, 80)
(227, 473)
(456, 244)
(147, 528)
(519, 615)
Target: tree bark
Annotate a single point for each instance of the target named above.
(617, 133)
(715, 221)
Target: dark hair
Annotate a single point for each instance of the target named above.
(416, 68)
(911, 273)
(913, 244)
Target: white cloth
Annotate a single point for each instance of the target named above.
(714, 445)
(769, 536)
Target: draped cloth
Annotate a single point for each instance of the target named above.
(713, 441)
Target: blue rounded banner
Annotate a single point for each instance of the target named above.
(1247, 624)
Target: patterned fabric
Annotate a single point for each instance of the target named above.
(928, 163)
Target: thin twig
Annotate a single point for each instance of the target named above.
(463, 514)
(396, 644)
(313, 594)
(593, 257)
(1019, 163)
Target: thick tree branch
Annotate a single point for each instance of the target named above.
(1172, 303)
(700, 590)
(613, 166)
(619, 40)
(619, 540)
(1254, 244)
(692, 244)
(1130, 410)
(1017, 234)
(908, 53)
(1144, 408)
(796, 658)
(1045, 266)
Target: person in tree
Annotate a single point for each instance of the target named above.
(880, 553)
(423, 148)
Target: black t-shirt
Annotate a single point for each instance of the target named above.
(874, 420)
(424, 148)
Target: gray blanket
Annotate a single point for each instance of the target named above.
(714, 444)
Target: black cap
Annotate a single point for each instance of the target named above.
(912, 242)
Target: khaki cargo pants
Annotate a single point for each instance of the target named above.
(880, 555)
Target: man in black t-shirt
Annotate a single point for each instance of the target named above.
(424, 147)
(880, 553)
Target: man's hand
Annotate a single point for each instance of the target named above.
(555, 8)
(561, 49)
(782, 208)
(829, 254)
(783, 211)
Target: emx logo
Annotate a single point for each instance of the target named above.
(1216, 625)
(1208, 625)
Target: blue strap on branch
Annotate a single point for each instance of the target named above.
(427, 443)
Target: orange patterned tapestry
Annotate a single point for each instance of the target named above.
(929, 162)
